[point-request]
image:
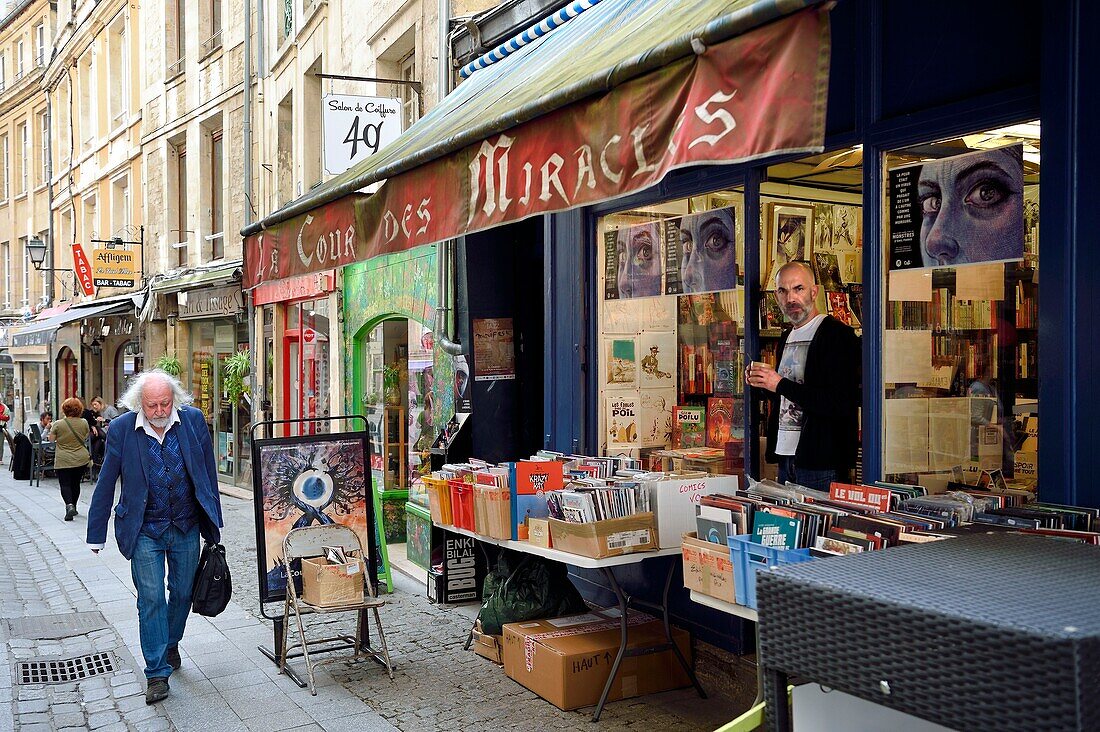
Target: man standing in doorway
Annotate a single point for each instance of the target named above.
(162, 451)
(813, 424)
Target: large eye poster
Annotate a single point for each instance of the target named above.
(959, 210)
(307, 481)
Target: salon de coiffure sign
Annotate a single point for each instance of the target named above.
(356, 127)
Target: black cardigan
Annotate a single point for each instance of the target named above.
(829, 397)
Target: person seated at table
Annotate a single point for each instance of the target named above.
(40, 430)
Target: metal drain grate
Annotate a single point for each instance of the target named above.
(70, 669)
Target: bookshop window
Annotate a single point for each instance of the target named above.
(960, 356)
(671, 322)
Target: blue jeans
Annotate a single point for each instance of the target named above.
(161, 622)
(815, 479)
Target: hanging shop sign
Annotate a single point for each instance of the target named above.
(215, 302)
(356, 127)
(759, 93)
(964, 209)
(294, 288)
(84, 272)
(113, 267)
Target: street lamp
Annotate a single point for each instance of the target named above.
(36, 250)
(95, 347)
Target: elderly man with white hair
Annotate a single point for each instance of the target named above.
(161, 450)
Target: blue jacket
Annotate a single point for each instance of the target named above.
(126, 457)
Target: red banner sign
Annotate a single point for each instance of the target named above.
(758, 93)
(83, 270)
(861, 495)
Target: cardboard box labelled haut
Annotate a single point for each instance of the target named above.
(487, 646)
(326, 584)
(707, 568)
(567, 660)
(674, 502)
(458, 568)
(610, 538)
(538, 532)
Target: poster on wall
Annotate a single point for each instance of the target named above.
(633, 262)
(621, 361)
(655, 419)
(701, 252)
(623, 412)
(462, 384)
(494, 349)
(789, 238)
(658, 359)
(306, 481)
(960, 210)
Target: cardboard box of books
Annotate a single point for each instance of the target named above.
(327, 584)
(607, 538)
(707, 568)
(567, 660)
(487, 646)
(674, 501)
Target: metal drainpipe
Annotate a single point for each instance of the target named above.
(250, 310)
(444, 328)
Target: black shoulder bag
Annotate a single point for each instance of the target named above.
(212, 588)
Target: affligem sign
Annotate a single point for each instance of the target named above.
(83, 270)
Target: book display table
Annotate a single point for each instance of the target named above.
(607, 567)
(991, 631)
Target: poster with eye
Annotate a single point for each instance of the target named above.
(655, 421)
(307, 481)
(623, 413)
(658, 359)
(701, 252)
(789, 237)
(621, 361)
(959, 210)
(633, 262)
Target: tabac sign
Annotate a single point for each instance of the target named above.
(755, 94)
(113, 267)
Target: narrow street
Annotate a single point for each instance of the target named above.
(63, 602)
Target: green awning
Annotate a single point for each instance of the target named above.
(190, 279)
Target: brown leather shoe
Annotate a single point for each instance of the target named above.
(157, 690)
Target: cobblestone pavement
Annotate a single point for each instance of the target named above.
(225, 684)
(440, 686)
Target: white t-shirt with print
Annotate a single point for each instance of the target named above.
(793, 367)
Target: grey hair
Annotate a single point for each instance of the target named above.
(131, 399)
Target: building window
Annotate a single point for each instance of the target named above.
(960, 249)
(410, 100)
(671, 309)
(217, 224)
(285, 19)
(213, 22)
(65, 132)
(87, 95)
(5, 255)
(27, 267)
(175, 46)
(19, 48)
(4, 169)
(120, 206)
(44, 148)
(117, 77)
(24, 151)
(284, 169)
(90, 227)
(3, 71)
(40, 44)
(184, 239)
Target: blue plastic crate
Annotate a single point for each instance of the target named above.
(747, 556)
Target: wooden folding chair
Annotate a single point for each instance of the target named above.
(308, 542)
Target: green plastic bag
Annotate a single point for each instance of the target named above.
(525, 587)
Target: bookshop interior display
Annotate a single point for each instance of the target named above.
(960, 316)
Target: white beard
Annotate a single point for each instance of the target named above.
(160, 424)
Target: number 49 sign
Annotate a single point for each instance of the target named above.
(356, 127)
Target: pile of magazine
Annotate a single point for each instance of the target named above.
(582, 504)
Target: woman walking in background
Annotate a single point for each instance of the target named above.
(71, 458)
